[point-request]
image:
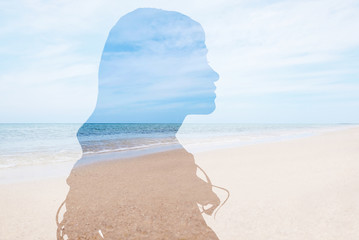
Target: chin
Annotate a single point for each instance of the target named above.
(207, 110)
(212, 109)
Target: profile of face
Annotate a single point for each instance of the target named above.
(154, 69)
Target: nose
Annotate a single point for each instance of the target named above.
(214, 75)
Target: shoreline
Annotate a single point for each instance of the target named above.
(36, 172)
(294, 189)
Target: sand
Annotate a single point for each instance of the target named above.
(148, 197)
(295, 189)
(28, 209)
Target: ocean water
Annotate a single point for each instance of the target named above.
(36, 144)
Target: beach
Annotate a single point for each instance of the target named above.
(299, 188)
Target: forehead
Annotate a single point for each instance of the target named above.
(156, 31)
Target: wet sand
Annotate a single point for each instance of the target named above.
(296, 189)
(148, 197)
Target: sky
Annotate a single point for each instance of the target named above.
(278, 61)
(154, 69)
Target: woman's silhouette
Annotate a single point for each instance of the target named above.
(153, 69)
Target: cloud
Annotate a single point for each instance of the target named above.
(267, 53)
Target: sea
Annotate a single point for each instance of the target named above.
(29, 144)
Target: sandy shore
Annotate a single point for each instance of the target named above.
(296, 189)
(28, 209)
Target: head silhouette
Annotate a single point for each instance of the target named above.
(154, 69)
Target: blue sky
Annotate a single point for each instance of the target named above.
(278, 61)
(154, 69)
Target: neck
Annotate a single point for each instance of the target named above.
(136, 115)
